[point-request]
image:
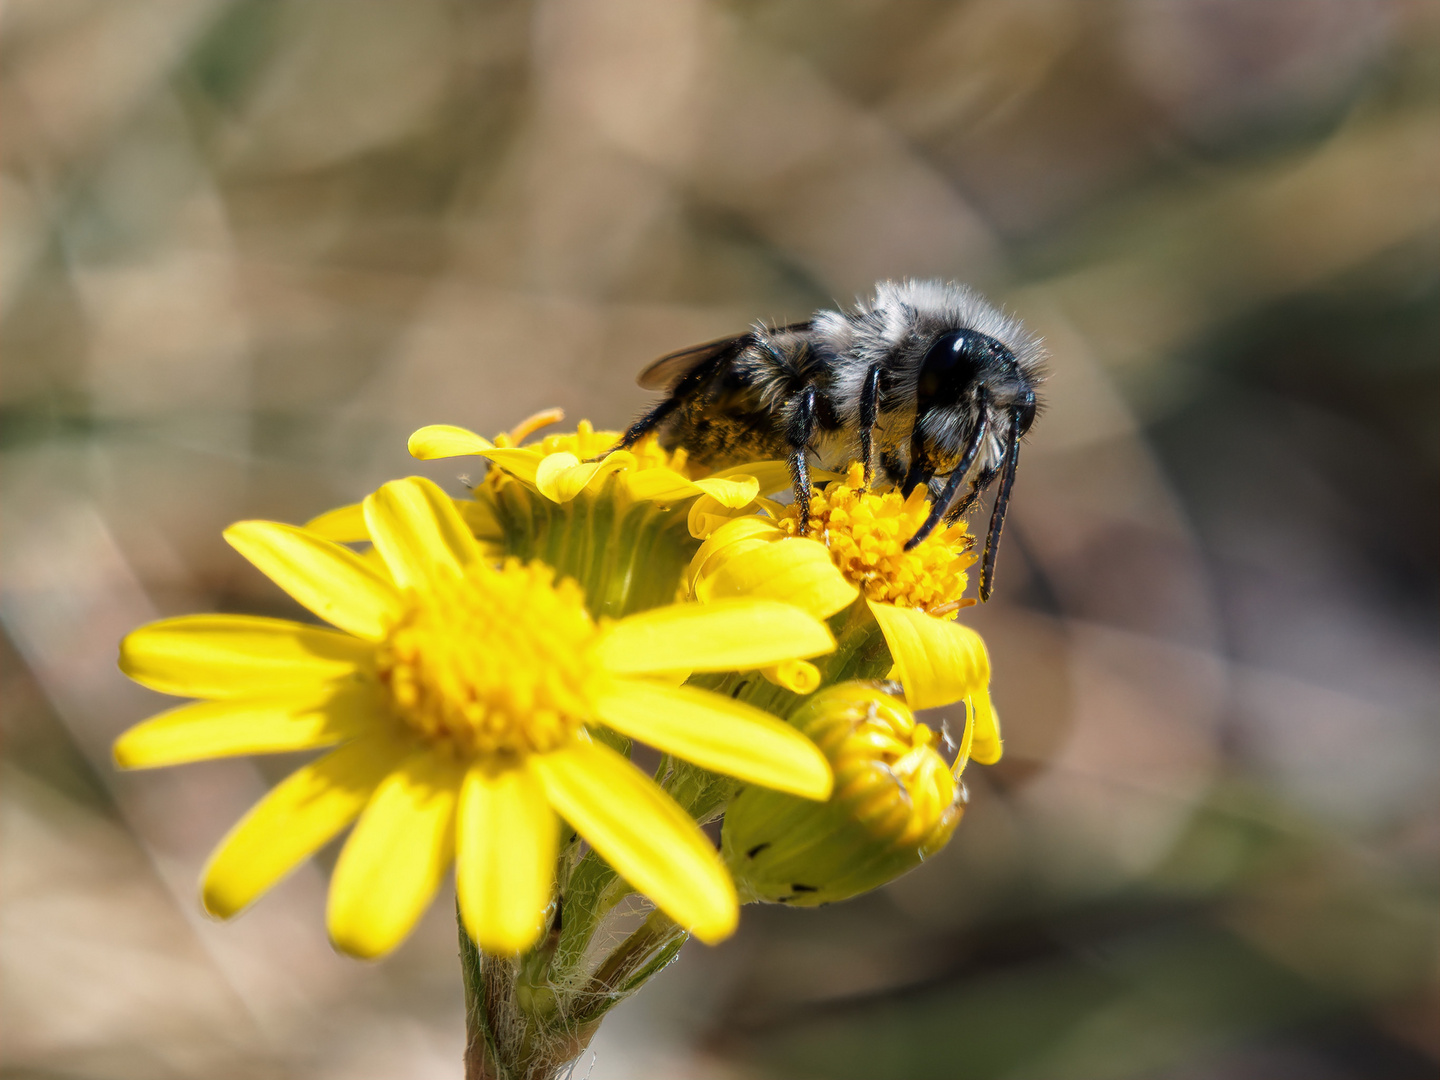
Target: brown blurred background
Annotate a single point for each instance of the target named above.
(248, 245)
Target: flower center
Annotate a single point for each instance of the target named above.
(494, 662)
(866, 533)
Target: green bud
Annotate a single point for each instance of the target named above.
(895, 804)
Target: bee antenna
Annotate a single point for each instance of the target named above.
(997, 515)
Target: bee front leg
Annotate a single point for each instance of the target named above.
(869, 416)
(983, 479)
(798, 432)
(938, 507)
(997, 513)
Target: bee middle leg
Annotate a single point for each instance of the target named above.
(920, 470)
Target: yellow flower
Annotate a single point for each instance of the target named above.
(560, 469)
(462, 695)
(856, 547)
(896, 803)
(624, 526)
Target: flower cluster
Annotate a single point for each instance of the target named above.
(488, 660)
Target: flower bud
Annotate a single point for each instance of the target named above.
(895, 803)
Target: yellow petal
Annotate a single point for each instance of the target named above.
(344, 524)
(986, 747)
(234, 656)
(480, 517)
(728, 635)
(769, 476)
(550, 468)
(505, 869)
(797, 571)
(716, 733)
(706, 515)
(330, 580)
(797, 676)
(733, 492)
(394, 861)
(417, 529)
(446, 440)
(750, 529)
(560, 477)
(294, 820)
(643, 834)
(212, 729)
(658, 485)
(939, 661)
(520, 462)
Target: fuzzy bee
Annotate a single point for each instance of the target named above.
(926, 384)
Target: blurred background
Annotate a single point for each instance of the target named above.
(249, 245)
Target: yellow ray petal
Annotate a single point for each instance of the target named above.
(330, 580)
(446, 440)
(733, 492)
(938, 661)
(393, 862)
(730, 539)
(233, 656)
(560, 477)
(505, 869)
(520, 462)
(417, 529)
(986, 747)
(716, 733)
(728, 635)
(658, 485)
(797, 676)
(769, 476)
(212, 729)
(344, 524)
(480, 517)
(534, 422)
(796, 571)
(550, 468)
(294, 820)
(643, 834)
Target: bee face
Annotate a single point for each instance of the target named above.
(926, 382)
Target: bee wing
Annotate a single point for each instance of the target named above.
(664, 373)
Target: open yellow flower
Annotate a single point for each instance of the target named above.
(625, 527)
(462, 694)
(559, 466)
(855, 548)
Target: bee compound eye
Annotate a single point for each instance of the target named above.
(951, 365)
(1025, 411)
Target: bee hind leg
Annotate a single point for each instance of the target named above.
(659, 413)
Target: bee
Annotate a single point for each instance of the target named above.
(926, 383)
